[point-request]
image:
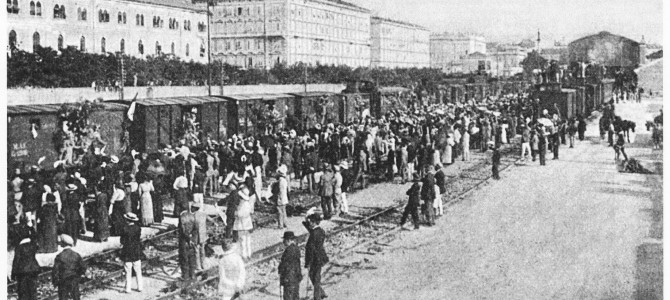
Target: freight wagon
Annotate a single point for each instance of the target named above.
(26, 147)
(163, 120)
(553, 96)
(251, 114)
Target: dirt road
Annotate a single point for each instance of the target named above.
(574, 229)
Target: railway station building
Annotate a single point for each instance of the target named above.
(397, 44)
(138, 28)
(262, 33)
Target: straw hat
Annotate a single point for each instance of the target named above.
(131, 217)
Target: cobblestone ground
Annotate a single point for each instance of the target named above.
(574, 229)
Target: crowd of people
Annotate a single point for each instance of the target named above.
(115, 195)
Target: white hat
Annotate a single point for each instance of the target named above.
(131, 217)
(66, 239)
(283, 169)
(114, 159)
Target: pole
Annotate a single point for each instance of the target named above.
(209, 54)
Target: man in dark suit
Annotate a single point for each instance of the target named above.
(188, 236)
(131, 253)
(25, 269)
(315, 254)
(67, 270)
(428, 195)
(290, 274)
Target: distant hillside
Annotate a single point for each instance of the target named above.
(650, 76)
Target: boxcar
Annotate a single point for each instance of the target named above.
(353, 106)
(26, 149)
(161, 120)
(310, 108)
(249, 114)
(552, 96)
(390, 98)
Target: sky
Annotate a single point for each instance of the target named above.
(513, 20)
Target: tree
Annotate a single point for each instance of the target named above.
(534, 61)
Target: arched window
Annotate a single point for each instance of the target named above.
(32, 8)
(106, 16)
(124, 18)
(187, 50)
(60, 42)
(36, 40)
(102, 45)
(120, 18)
(158, 48)
(142, 20)
(12, 39)
(62, 12)
(13, 6)
(202, 50)
(123, 46)
(82, 44)
(83, 14)
(140, 47)
(56, 11)
(38, 9)
(137, 20)
(78, 13)
(101, 16)
(172, 48)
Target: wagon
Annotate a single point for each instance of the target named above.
(25, 148)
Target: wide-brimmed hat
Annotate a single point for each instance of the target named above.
(114, 159)
(131, 217)
(314, 217)
(288, 235)
(337, 168)
(282, 169)
(195, 205)
(71, 187)
(66, 240)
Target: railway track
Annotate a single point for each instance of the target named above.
(343, 240)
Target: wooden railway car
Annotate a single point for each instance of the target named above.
(250, 114)
(311, 108)
(26, 148)
(387, 99)
(162, 120)
(354, 106)
(553, 96)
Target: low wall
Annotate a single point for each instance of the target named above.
(69, 95)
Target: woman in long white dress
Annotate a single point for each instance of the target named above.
(146, 203)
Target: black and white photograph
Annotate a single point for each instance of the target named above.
(340, 149)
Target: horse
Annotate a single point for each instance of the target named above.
(627, 126)
(657, 135)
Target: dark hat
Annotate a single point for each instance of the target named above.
(226, 244)
(289, 235)
(314, 218)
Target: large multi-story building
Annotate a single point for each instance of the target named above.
(135, 27)
(262, 33)
(397, 44)
(506, 60)
(448, 51)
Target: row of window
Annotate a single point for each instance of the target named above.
(103, 16)
(103, 45)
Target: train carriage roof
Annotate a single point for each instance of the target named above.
(312, 94)
(35, 109)
(178, 101)
(393, 89)
(257, 97)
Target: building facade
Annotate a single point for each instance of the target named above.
(135, 27)
(447, 51)
(262, 33)
(506, 60)
(398, 44)
(608, 50)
